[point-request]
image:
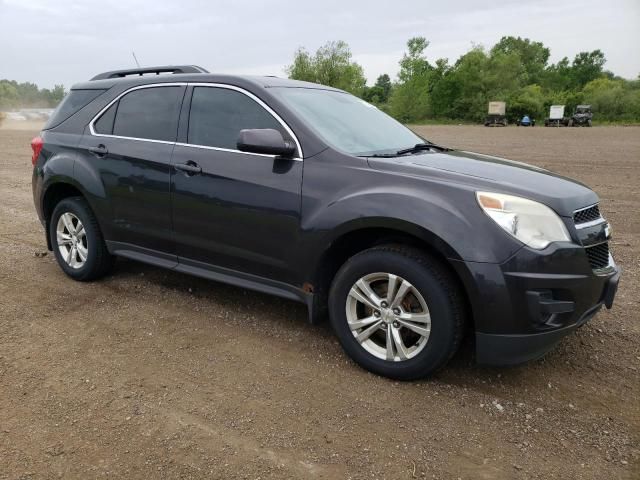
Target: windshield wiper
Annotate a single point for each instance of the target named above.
(421, 147)
(380, 155)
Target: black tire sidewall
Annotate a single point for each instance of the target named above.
(442, 339)
(80, 209)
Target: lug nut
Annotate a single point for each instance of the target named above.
(396, 311)
(376, 313)
(384, 304)
(396, 325)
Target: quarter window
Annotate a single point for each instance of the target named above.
(72, 103)
(104, 124)
(149, 113)
(218, 114)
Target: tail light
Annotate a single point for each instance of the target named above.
(36, 146)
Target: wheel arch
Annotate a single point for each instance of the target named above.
(66, 176)
(363, 234)
(54, 194)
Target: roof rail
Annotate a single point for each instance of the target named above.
(150, 70)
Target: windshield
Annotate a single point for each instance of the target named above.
(346, 122)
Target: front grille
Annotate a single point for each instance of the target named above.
(586, 215)
(598, 255)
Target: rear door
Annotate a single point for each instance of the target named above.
(130, 144)
(240, 211)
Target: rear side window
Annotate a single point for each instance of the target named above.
(149, 113)
(104, 124)
(218, 114)
(74, 101)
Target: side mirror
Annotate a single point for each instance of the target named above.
(265, 140)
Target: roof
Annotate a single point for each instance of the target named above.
(171, 74)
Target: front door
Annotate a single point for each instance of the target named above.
(232, 209)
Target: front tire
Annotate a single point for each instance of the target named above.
(397, 312)
(77, 241)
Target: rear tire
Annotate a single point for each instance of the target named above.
(398, 345)
(77, 241)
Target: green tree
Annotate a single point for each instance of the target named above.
(8, 94)
(515, 70)
(587, 66)
(379, 93)
(331, 65)
(533, 55)
(613, 99)
(410, 99)
(14, 95)
(528, 100)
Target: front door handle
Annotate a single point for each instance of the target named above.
(99, 151)
(190, 168)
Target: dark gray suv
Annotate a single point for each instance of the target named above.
(309, 193)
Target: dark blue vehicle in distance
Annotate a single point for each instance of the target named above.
(526, 121)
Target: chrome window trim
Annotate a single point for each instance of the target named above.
(198, 84)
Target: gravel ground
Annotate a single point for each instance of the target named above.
(153, 374)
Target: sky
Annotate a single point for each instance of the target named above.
(52, 42)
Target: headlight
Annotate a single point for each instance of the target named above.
(533, 223)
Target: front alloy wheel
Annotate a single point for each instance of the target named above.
(397, 311)
(388, 316)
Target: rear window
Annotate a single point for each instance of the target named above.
(149, 113)
(74, 101)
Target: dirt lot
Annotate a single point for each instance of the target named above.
(153, 374)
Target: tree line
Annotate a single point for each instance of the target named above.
(28, 95)
(515, 70)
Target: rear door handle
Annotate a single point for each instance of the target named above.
(99, 151)
(190, 168)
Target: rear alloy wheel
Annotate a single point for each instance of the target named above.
(77, 241)
(397, 311)
(72, 240)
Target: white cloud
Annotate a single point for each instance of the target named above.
(68, 41)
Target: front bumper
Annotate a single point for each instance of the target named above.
(512, 349)
(525, 306)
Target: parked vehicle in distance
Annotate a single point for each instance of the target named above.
(526, 121)
(556, 117)
(581, 117)
(309, 193)
(496, 115)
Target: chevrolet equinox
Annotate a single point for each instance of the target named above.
(309, 193)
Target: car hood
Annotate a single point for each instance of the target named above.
(485, 172)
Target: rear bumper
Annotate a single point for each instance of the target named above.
(524, 307)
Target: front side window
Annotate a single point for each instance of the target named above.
(346, 122)
(218, 114)
(149, 113)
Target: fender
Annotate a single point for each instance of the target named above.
(70, 169)
(439, 224)
(389, 223)
(425, 213)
